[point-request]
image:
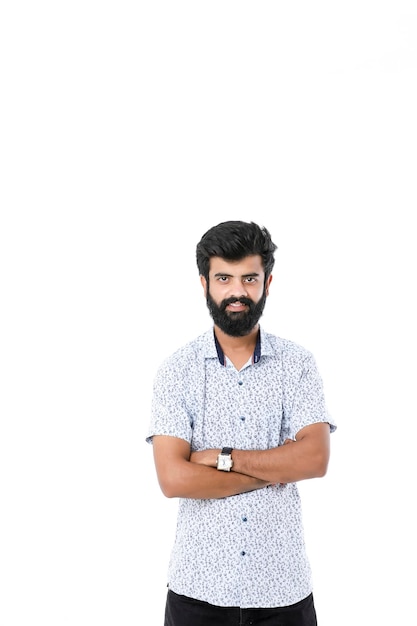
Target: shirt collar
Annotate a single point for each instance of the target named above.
(256, 354)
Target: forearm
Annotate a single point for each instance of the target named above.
(191, 480)
(307, 457)
(285, 464)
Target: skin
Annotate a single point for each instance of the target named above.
(182, 474)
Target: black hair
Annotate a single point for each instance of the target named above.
(233, 241)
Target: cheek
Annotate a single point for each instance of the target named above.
(257, 293)
(216, 290)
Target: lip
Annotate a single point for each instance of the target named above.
(236, 306)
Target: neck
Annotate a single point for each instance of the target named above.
(229, 343)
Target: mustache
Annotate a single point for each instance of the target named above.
(242, 300)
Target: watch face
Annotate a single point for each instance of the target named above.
(224, 462)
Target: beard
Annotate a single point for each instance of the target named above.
(236, 323)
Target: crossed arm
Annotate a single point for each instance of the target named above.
(184, 474)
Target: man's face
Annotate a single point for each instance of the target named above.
(236, 293)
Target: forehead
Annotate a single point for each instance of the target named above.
(251, 264)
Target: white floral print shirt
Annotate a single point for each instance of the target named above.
(246, 550)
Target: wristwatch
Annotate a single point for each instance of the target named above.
(224, 460)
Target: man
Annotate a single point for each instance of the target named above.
(224, 406)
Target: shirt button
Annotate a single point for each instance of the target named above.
(242, 418)
(243, 553)
(240, 382)
(244, 518)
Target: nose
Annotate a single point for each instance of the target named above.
(238, 289)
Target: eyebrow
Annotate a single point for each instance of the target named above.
(250, 275)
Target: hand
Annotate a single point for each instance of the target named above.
(205, 457)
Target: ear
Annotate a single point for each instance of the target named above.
(204, 284)
(267, 283)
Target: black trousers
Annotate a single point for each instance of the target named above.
(183, 611)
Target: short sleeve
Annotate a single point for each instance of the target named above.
(308, 406)
(169, 414)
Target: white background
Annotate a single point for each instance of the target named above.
(127, 130)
